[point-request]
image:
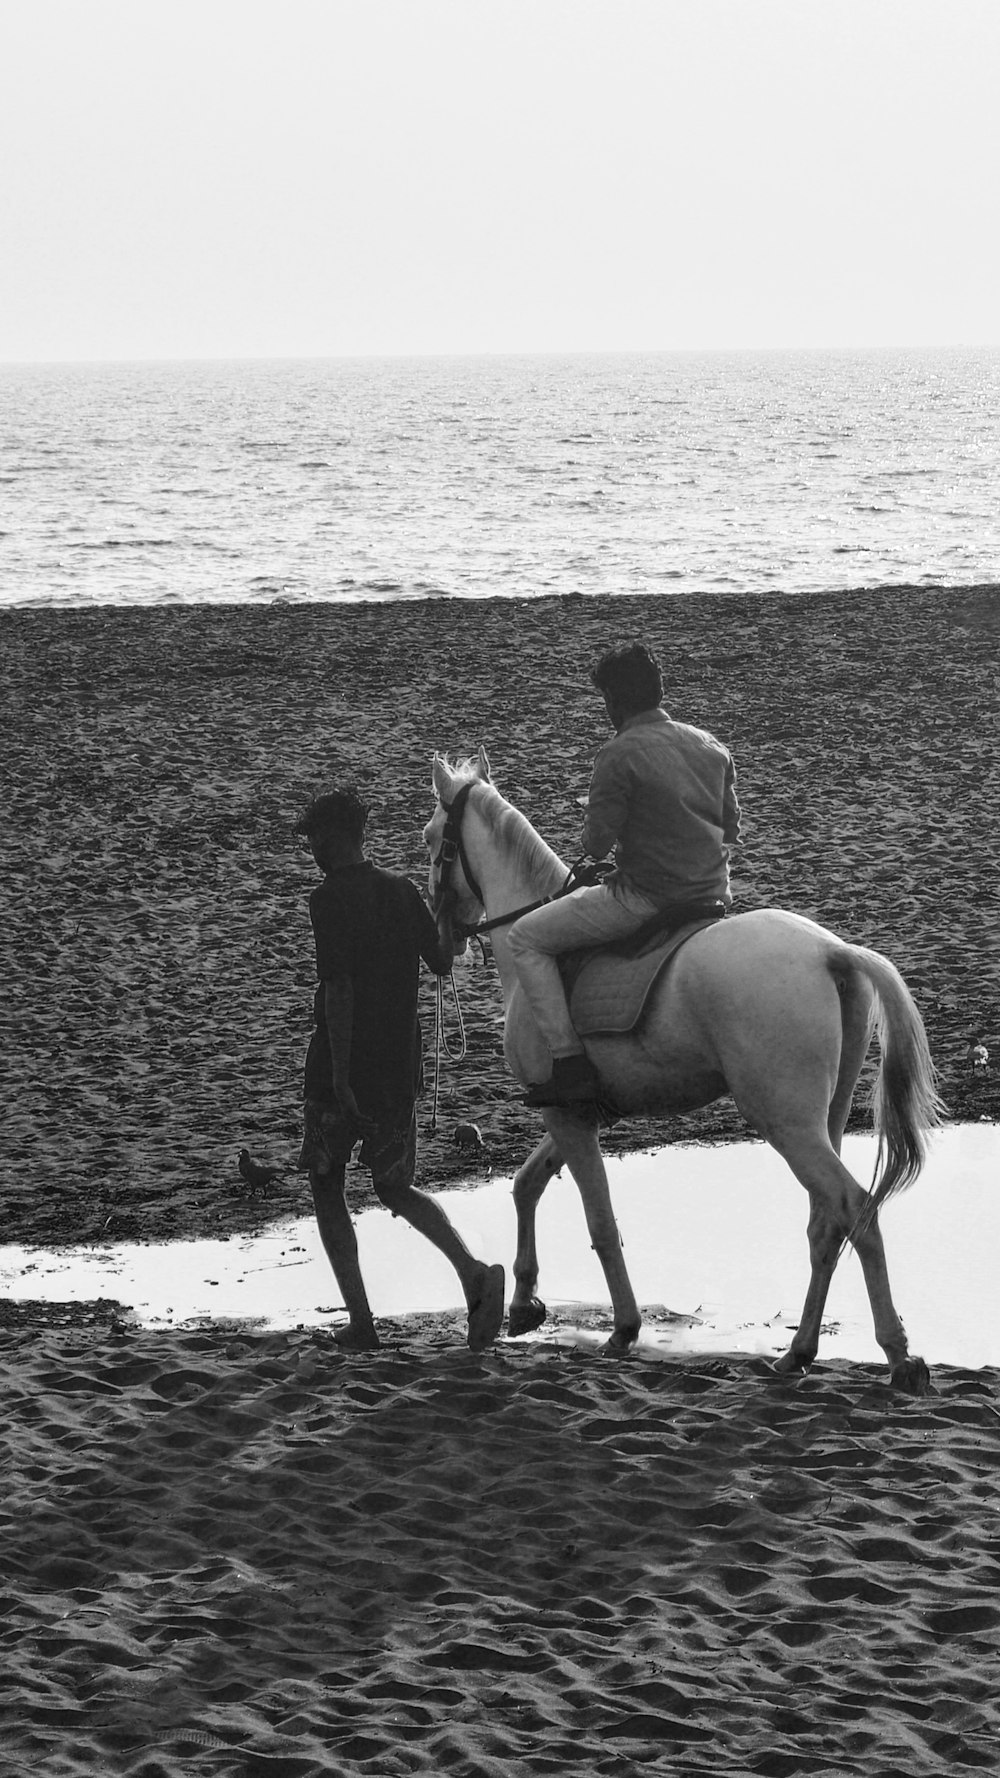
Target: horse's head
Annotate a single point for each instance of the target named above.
(480, 844)
(449, 867)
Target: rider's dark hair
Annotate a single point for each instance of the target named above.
(335, 812)
(630, 677)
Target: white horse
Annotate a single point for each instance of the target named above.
(767, 1006)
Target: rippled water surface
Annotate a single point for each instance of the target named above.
(391, 478)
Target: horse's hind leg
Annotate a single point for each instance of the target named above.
(824, 1231)
(825, 1240)
(837, 1203)
(543, 1163)
(800, 1103)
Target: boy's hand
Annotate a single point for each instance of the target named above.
(347, 1105)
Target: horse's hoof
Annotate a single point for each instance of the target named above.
(621, 1341)
(523, 1318)
(791, 1364)
(912, 1376)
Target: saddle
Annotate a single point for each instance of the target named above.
(607, 987)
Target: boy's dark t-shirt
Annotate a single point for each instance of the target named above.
(374, 927)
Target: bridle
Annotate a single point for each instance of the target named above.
(452, 850)
(452, 846)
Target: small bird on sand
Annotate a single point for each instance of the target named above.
(978, 1055)
(257, 1177)
(469, 1136)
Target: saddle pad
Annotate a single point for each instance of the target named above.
(607, 992)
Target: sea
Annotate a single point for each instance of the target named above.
(135, 484)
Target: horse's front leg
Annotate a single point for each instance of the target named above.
(543, 1163)
(576, 1134)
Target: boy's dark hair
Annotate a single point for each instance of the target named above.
(630, 676)
(336, 811)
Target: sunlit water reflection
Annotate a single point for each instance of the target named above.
(715, 1234)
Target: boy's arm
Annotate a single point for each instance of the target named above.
(436, 933)
(338, 1007)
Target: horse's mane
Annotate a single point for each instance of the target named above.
(514, 829)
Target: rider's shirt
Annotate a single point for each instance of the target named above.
(664, 795)
(374, 927)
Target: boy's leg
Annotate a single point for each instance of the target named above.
(336, 1231)
(326, 1150)
(482, 1285)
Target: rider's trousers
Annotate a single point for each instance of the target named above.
(586, 918)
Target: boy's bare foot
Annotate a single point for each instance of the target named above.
(486, 1307)
(357, 1337)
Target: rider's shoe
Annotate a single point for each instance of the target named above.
(574, 1082)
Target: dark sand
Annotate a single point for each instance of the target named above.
(246, 1554)
(156, 951)
(253, 1557)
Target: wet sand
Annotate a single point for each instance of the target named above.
(242, 1552)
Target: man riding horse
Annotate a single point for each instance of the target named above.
(663, 794)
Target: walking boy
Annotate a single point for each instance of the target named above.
(363, 1068)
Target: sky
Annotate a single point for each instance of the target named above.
(321, 178)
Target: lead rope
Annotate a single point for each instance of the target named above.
(441, 1047)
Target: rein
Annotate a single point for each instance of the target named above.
(452, 849)
(581, 875)
(441, 1047)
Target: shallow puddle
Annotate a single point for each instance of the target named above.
(714, 1234)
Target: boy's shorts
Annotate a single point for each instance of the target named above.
(389, 1151)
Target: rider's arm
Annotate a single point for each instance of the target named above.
(730, 808)
(607, 807)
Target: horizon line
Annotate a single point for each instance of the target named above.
(504, 352)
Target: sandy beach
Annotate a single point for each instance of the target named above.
(155, 939)
(245, 1555)
(240, 1552)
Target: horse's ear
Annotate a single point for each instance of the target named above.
(483, 764)
(440, 777)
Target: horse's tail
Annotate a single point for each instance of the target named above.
(904, 1098)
